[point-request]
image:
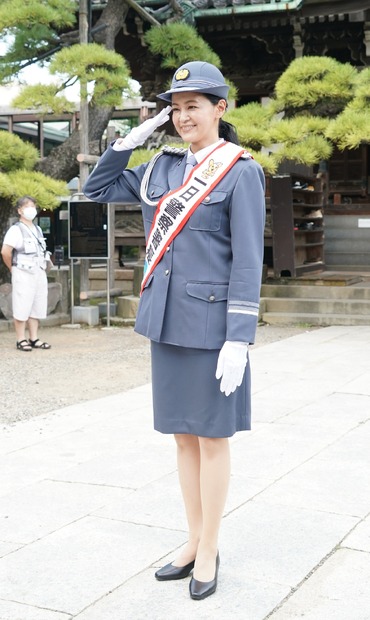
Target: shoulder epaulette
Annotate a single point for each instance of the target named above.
(173, 150)
(247, 155)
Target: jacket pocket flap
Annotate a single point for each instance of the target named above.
(214, 197)
(156, 191)
(206, 291)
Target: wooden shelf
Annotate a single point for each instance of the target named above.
(308, 245)
(307, 205)
(306, 191)
(309, 231)
(316, 266)
(296, 250)
(306, 218)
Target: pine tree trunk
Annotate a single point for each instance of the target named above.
(62, 162)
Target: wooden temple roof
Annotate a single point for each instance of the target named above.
(256, 40)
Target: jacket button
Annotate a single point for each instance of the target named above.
(207, 199)
(168, 249)
(167, 272)
(212, 298)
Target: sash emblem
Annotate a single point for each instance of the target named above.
(212, 167)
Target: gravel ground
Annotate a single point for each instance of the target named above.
(83, 364)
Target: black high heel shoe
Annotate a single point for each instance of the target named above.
(171, 572)
(201, 589)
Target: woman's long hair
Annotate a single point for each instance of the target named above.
(226, 130)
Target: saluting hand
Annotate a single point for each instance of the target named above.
(138, 135)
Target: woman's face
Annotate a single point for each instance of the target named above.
(196, 119)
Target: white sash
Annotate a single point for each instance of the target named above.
(175, 208)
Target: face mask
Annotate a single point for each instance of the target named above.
(29, 213)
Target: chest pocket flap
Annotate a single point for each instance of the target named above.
(155, 193)
(207, 215)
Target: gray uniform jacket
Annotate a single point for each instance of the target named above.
(206, 288)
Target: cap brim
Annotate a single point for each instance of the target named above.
(167, 96)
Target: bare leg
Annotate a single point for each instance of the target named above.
(20, 329)
(188, 461)
(33, 326)
(214, 484)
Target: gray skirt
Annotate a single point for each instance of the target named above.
(187, 397)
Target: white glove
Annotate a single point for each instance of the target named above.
(138, 135)
(231, 364)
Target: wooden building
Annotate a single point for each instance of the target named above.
(255, 39)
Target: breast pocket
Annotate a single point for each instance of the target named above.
(29, 246)
(208, 214)
(155, 193)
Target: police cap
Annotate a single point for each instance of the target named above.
(197, 76)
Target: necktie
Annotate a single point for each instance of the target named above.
(191, 162)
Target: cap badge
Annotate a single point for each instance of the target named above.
(182, 74)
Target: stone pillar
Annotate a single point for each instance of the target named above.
(138, 276)
(61, 276)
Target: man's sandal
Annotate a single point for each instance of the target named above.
(37, 344)
(24, 345)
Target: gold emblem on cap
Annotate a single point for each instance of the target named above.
(182, 74)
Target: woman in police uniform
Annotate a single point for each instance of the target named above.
(200, 296)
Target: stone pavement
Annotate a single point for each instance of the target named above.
(90, 504)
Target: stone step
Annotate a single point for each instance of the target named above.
(347, 259)
(318, 306)
(343, 268)
(317, 291)
(100, 273)
(324, 302)
(282, 318)
(117, 321)
(123, 279)
(127, 306)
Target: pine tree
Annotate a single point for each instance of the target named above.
(318, 103)
(45, 32)
(18, 178)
